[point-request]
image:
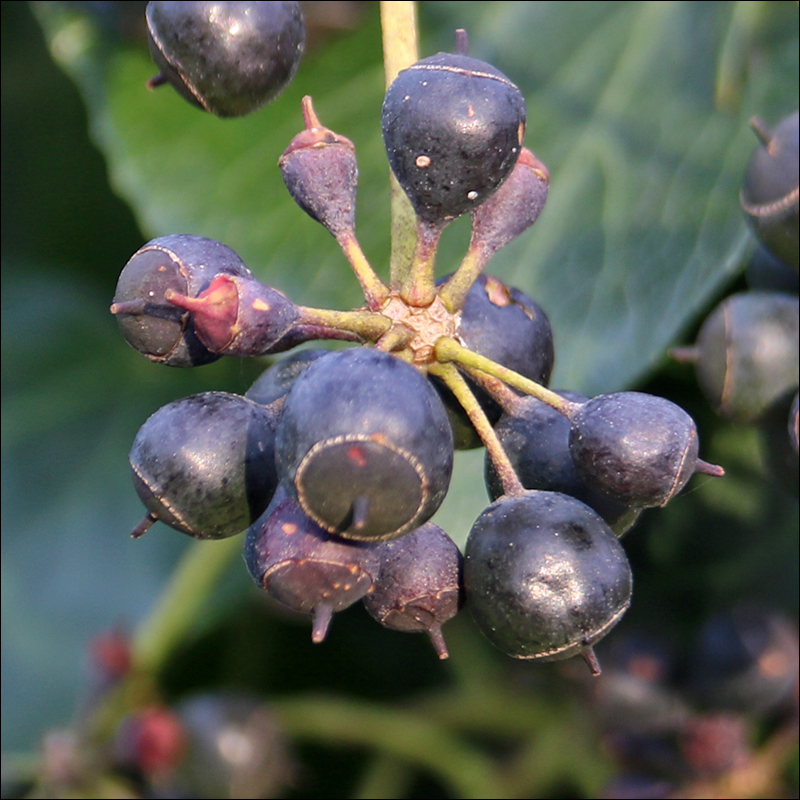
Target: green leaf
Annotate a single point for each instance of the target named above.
(640, 111)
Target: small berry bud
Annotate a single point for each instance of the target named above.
(319, 170)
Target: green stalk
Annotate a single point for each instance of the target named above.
(450, 350)
(400, 50)
(369, 326)
(404, 735)
(181, 602)
(460, 388)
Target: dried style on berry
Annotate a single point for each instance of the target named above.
(179, 264)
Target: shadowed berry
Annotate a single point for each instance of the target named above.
(205, 464)
(275, 382)
(226, 58)
(304, 567)
(502, 323)
(536, 440)
(419, 584)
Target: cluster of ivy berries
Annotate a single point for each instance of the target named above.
(335, 461)
(747, 355)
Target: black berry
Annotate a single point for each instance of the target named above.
(275, 382)
(635, 447)
(453, 128)
(366, 443)
(536, 440)
(181, 264)
(545, 578)
(502, 323)
(226, 58)
(304, 567)
(205, 464)
(747, 353)
(769, 196)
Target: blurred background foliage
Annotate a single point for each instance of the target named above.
(639, 110)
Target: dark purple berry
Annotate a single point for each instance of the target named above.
(366, 443)
(304, 567)
(205, 464)
(635, 447)
(275, 382)
(419, 584)
(226, 58)
(769, 196)
(545, 578)
(182, 264)
(536, 440)
(502, 323)
(747, 354)
(453, 128)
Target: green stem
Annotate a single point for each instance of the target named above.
(460, 388)
(375, 290)
(397, 338)
(419, 286)
(454, 291)
(384, 777)
(403, 735)
(179, 606)
(450, 350)
(369, 326)
(400, 50)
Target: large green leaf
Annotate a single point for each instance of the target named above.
(640, 111)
